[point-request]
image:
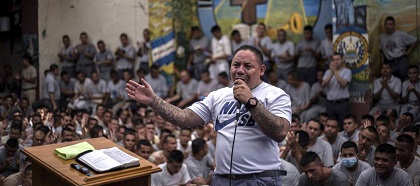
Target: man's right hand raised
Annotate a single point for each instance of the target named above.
(141, 93)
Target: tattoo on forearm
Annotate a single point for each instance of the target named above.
(269, 123)
(171, 113)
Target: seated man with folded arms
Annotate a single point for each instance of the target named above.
(199, 164)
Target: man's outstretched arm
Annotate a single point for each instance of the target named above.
(144, 94)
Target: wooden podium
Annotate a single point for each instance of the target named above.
(50, 170)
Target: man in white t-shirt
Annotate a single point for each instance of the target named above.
(282, 53)
(260, 125)
(82, 92)
(68, 57)
(125, 56)
(221, 51)
(174, 171)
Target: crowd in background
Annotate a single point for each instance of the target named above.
(84, 97)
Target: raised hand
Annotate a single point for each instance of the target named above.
(362, 155)
(141, 93)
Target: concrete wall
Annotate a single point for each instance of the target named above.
(101, 19)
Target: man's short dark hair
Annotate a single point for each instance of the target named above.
(308, 28)
(253, 49)
(372, 130)
(215, 28)
(13, 143)
(409, 114)
(369, 117)
(328, 26)
(53, 67)
(83, 34)
(155, 67)
(321, 126)
(405, 138)
(390, 18)
(100, 42)
(386, 64)
(163, 131)
(235, 32)
(95, 130)
(123, 35)
(387, 149)
(412, 128)
(350, 144)
(43, 129)
(64, 73)
(17, 125)
(282, 30)
(166, 139)
(187, 129)
(129, 131)
(351, 116)
(324, 114)
(176, 156)
(414, 67)
(66, 128)
(383, 119)
(195, 28)
(293, 74)
(143, 142)
(223, 75)
(308, 158)
(65, 37)
(121, 126)
(338, 54)
(197, 145)
(27, 57)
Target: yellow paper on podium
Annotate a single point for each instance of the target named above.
(72, 151)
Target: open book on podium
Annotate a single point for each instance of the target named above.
(49, 169)
(109, 159)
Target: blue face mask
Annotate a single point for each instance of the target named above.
(349, 162)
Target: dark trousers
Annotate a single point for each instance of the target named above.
(307, 74)
(399, 67)
(338, 110)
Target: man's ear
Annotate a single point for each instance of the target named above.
(262, 70)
